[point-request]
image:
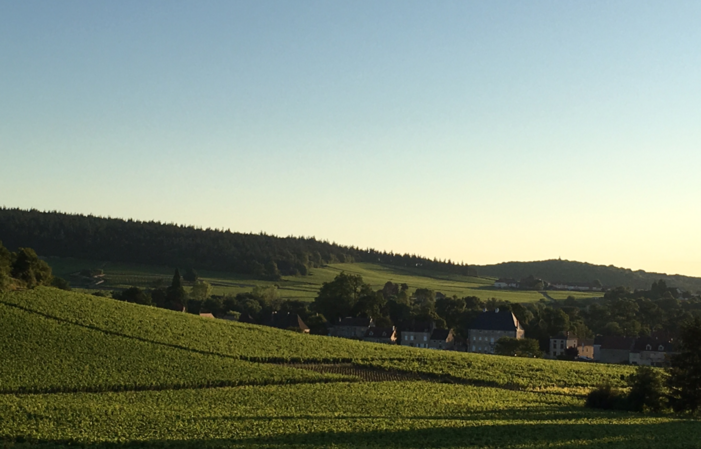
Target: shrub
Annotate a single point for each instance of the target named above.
(606, 397)
(647, 390)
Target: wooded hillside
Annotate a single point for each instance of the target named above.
(113, 239)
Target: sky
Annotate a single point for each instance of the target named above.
(479, 132)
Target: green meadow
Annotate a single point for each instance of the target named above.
(305, 288)
(86, 371)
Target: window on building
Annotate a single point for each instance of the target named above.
(473, 348)
(660, 348)
(412, 338)
(491, 340)
(425, 338)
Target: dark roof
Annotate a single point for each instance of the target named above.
(354, 321)
(418, 326)
(498, 320)
(286, 321)
(562, 336)
(379, 332)
(619, 343)
(641, 344)
(440, 334)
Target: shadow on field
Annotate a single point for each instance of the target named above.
(563, 429)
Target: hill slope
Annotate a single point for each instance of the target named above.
(71, 343)
(571, 271)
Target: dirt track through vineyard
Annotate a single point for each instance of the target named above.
(365, 374)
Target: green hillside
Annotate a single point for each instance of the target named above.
(572, 271)
(222, 384)
(121, 275)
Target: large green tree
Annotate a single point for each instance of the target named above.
(29, 269)
(336, 299)
(685, 370)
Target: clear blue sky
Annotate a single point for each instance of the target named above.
(476, 131)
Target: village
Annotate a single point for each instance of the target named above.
(484, 334)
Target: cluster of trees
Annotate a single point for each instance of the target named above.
(261, 255)
(650, 389)
(349, 296)
(622, 312)
(24, 269)
(257, 306)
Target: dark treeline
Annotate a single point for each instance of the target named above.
(261, 255)
(581, 272)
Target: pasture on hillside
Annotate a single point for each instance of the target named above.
(120, 276)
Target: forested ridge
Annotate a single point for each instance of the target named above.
(99, 238)
(571, 271)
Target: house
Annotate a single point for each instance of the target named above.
(560, 343)
(351, 327)
(576, 286)
(289, 321)
(386, 335)
(615, 349)
(506, 283)
(441, 339)
(489, 327)
(651, 352)
(586, 349)
(417, 334)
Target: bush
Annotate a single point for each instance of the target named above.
(606, 397)
(647, 391)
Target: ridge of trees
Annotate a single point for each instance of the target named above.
(557, 270)
(131, 241)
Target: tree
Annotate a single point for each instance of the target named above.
(201, 290)
(134, 295)
(685, 370)
(175, 294)
(190, 275)
(571, 353)
(5, 267)
(60, 283)
(646, 390)
(29, 269)
(451, 310)
(519, 347)
(336, 299)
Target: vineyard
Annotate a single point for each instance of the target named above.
(94, 372)
(345, 415)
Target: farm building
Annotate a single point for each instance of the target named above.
(417, 334)
(489, 327)
(386, 335)
(442, 339)
(351, 327)
(289, 321)
(651, 351)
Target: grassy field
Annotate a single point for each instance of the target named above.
(85, 371)
(118, 276)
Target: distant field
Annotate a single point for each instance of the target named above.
(90, 364)
(305, 288)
